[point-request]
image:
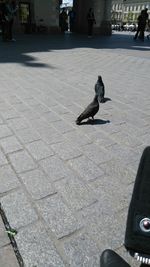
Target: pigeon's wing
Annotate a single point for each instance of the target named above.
(89, 111)
(100, 89)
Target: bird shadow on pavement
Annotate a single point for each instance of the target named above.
(94, 122)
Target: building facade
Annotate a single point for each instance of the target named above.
(128, 10)
(46, 13)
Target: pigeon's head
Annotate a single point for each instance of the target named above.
(99, 78)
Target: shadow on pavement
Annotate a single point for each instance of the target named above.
(94, 122)
(19, 51)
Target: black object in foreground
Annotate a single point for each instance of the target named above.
(137, 236)
(111, 259)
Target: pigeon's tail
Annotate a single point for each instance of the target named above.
(102, 100)
(78, 120)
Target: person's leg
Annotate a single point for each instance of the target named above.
(136, 35)
(10, 30)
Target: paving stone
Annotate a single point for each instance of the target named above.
(76, 194)
(10, 114)
(51, 117)
(102, 139)
(22, 161)
(66, 151)
(82, 251)
(62, 126)
(36, 247)
(55, 168)
(58, 216)
(8, 179)
(4, 240)
(87, 169)
(8, 257)
(50, 135)
(18, 123)
(119, 197)
(96, 153)
(18, 209)
(59, 109)
(37, 184)
(5, 131)
(98, 229)
(27, 135)
(10, 144)
(76, 138)
(39, 150)
(119, 171)
(3, 159)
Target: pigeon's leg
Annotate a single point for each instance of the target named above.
(92, 118)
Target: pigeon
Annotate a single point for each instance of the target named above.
(90, 110)
(100, 89)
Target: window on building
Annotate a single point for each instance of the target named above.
(24, 12)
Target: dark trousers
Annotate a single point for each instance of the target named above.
(5, 26)
(90, 28)
(140, 33)
(10, 26)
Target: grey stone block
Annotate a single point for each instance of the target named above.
(8, 179)
(62, 126)
(87, 169)
(18, 123)
(66, 150)
(18, 209)
(51, 117)
(119, 171)
(5, 131)
(22, 161)
(36, 247)
(58, 216)
(76, 138)
(4, 240)
(37, 184)
(27, 135)
(96, 153)
(55, 168)
(39, 150)
(106, 224)
(10, 144)
(8, 257)
(10, 114)
(82, 251)
(3, 159)
(75, 193)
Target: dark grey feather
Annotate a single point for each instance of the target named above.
(100, 89)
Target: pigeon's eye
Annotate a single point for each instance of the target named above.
(145, 225)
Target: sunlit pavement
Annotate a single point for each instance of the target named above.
(66, 188)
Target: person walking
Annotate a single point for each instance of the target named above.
(142, 20)
(91, 20)
(63, 17)
(71, 16)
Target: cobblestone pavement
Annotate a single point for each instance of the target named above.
(66, 188)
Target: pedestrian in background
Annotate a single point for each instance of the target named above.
(71, 16)
(63, 20)
(142, 20)
(91, 20)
